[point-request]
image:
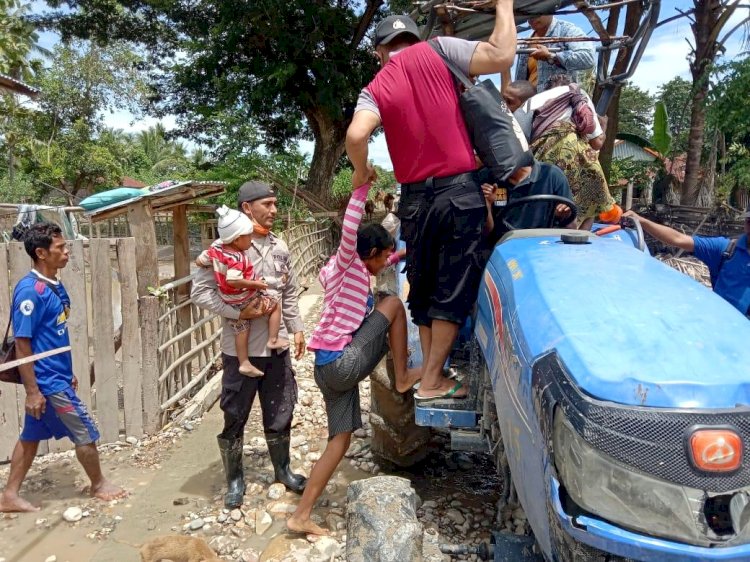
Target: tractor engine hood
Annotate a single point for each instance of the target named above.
(628, 328)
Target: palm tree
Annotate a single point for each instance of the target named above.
(708, 19)
(164, 155)
(18, 43)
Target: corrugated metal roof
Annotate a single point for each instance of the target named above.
(17, 87)
(627, 150)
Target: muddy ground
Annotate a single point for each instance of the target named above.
(176, 481)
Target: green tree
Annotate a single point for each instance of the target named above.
(19, 48)
(708, 18)
(636, 110)
(676, 95)
(727, 113)
(164, 156)
(292, 68)
(61, 141)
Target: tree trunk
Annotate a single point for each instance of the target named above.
(329, 146)
(613, 121)
(632, 19)
(691, 185)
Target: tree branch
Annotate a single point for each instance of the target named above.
(674, 18)
(594, 19)
(359, 33)
(720, 46)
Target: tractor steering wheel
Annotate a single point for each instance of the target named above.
(634, 224)
(551, 201)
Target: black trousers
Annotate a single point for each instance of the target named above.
(442, 228)
(277, 390)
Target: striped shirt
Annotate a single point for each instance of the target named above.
(346, 284)
(228, 265)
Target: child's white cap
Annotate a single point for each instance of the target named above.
(232, 224)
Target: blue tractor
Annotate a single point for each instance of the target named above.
(613, 392)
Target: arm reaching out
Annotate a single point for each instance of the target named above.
(665, 234)
(496, 55)
(357, 137)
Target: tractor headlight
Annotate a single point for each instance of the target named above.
(606, 488)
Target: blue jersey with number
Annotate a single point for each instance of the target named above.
(40, 315)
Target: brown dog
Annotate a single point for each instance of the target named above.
(178, 548)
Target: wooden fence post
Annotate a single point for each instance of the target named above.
(20, 264)
(131, 338)
(74, 279)
(149, 317)
(105, 368)
(9, 415)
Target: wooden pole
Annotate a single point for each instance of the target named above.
(148, 307)
(107, 372)
(131, 338)
(141, 220)
(182, 269)
(9, 416)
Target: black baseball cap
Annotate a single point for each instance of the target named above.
(254, 190)
(393, 26)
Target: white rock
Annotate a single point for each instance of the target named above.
(262, 522)
(276, 491)
(196, 524)
(52, 558)
(327, 548)
(132, 440)
(235, 514)
(73, 514)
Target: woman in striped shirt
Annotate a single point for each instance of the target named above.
(353, 335)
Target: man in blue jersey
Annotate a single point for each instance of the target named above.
(40, 313)
(728, 261)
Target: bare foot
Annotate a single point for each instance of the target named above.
(305, 526)
(412, 377)
(444, 386)
(277, 343)
(107, 491)
(250, 370)
(11, 503)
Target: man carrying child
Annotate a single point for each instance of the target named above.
(277, 388)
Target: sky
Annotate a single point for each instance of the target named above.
(665, 58)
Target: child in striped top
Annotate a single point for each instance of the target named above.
(237, 285)
(353, 335)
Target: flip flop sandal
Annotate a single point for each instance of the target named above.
(448, 395)
(451, 374)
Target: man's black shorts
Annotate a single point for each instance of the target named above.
(443, 232)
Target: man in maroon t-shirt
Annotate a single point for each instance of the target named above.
(442, 209)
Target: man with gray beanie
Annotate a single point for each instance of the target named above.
(277, 388)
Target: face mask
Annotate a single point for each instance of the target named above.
(260, 230)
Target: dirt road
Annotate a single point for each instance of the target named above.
(176, 482)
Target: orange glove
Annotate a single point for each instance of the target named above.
(612, 216)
